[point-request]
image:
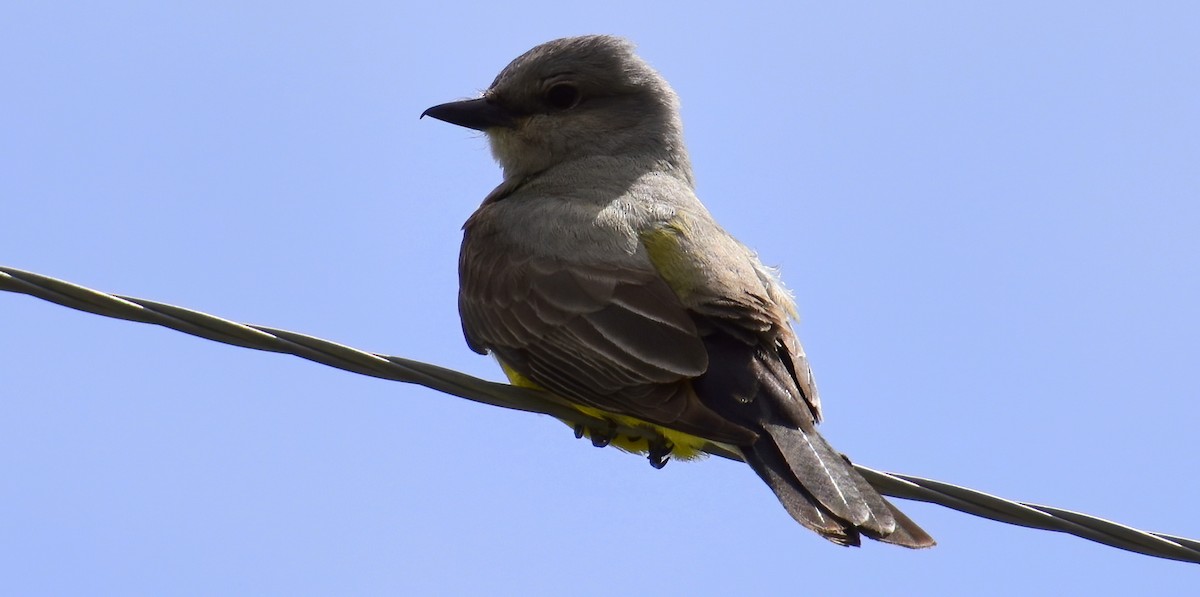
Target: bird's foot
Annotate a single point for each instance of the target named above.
(600, 438)
(660, 453)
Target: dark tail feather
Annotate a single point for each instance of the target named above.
(770, 465)
(822, 491)
(907, 533)
(826, 476)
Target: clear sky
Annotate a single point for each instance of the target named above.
(988, 215)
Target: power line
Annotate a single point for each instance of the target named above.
(462, 385)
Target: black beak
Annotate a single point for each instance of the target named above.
(479, 114)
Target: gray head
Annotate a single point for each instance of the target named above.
(575, 98)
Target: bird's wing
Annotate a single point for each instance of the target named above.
(741, 311)
(616, 339)
(759, 378)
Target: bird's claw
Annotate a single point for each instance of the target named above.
(660, 453)
(599, 439)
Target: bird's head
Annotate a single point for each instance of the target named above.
(574, 98)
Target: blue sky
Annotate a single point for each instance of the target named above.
(988, 215)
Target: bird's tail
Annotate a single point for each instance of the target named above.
(822, 491)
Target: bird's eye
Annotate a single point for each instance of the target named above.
(562, 96)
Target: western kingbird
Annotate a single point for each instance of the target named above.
(595, 273)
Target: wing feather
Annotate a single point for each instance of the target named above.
(617, 339)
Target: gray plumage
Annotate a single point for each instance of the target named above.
(595, 272)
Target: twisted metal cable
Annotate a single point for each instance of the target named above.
(506, 396)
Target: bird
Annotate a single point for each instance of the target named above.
(594, 272)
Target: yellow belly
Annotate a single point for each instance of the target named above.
(684, 446)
